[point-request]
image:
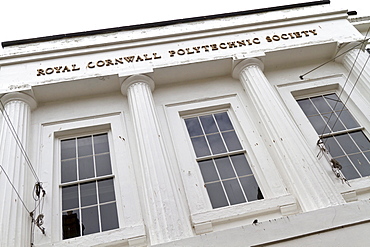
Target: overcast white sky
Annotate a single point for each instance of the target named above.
(22, 19)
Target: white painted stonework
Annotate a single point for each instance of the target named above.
(138, 85)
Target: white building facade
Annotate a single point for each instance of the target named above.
(243, 129)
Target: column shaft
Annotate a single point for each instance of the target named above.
(298, 166)
(166, 218)
(357, 63)
(13, 215)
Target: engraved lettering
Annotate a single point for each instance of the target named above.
(118, 60)
(172, 53)
(100, 63)
(74, 67)
(66, 69)
(147, 58)
(90, 65)
(108, 62)
(57, 69)
(189, 52)
(40, 72)
(313, 31)
(129, 59)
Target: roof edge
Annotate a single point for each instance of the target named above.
(160, 24)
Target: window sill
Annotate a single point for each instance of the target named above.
(129, 236)
(205, 221)
(359, 189)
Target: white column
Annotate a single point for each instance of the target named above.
(14, 219)
(357, 63)
(165, 216)
(299, 167)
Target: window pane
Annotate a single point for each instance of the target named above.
(241, 165)
(319, 124)
(84, 146)
(347, 169)
(101, 143)
(361, 140)
(223, 121)
(232, 141)
(70, 197)
(347, 144)
(68, 149)
(208, 124)
(90, 220)
(224, 168)
(86, 167)
(332, 120)
(71, 224)
(321, 104)
(216, 143)
(332, 146)
(234, 191)
(334, 102)
(103, 166)
(348, 119)
(109, 218)
(361, 164)
(208, 171)
(307, 107)
(216, 195)
(69, 171)
(88, 194)
(200, 146)
(193, 126)
(250, 187)
(106, 190)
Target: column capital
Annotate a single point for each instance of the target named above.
(18, 96)
(136, 79)
(246, 63)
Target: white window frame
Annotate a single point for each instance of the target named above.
(277, 200)
(358, 107)
(130, 220)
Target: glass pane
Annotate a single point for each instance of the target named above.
(68, 149)
(208, 124)
(347, 144)
(106, 190)
(321, 104)
(234, 191)
(216, 143)
(347, 169)
(223, 121)
(307, 107)
(361, 164)
(86, 167)
(200, 146)
(334, 102)
(69, 197)
(348, 119)
(333, 122)
(101, 143)
(71, 224)
(193, 126)
(250, 187)
(332, 146)
(88, 194)
(216, 195)
(241, 165)
(232, 141)
(361, 140)
(90, 220)
(319, 124)
(69, 170)
(103, 166)
(208, 171)
(84, 146)
(224, 168)
(109, 218)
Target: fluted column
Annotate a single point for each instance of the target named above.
(166, 218)
(357, 63)
(299, 167)
(13, 216)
